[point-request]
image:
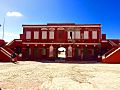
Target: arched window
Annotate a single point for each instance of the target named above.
(51, 51)
(69, 51)
(44, 34)
(51, 34)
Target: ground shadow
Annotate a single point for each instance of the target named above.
(69, 62)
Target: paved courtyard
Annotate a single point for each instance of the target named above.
(29, 75)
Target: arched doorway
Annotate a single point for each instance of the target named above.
(61, 52)
(70, 52)
(51, 51)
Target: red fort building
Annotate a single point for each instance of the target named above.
(73, 42)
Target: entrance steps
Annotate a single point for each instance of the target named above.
(7, 55)
(112, 56)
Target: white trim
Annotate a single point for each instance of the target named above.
(104, 41)
(65, 43)
(62, 26)
(44, 28)
(18, 40)
(51, 28)
(5, 53)
(112, 43)
(113, 52)
(9, 43)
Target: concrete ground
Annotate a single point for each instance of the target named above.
(29, 75)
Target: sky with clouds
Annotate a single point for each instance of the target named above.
(18, 12)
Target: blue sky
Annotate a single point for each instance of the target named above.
(105, 12)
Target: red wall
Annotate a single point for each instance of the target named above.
(63, 35)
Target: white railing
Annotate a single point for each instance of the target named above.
(10, 43)
(112, 43)
(109, 54)
(113, 52)
(18, 40)
(6, 53)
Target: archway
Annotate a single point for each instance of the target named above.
(51, 51)
(61, 52)
(70, 52)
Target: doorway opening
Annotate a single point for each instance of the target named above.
(61, 52)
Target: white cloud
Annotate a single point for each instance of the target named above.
(16, 14)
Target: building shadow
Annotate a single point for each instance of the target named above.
(62, 61)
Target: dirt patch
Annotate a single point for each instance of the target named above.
(59, 76)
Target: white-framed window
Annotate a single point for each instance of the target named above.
(28, 34)
(71, 35)
(44, 34)
(77, 34)
(94, 34)
(51, 34)
(36, 34)
(86, 35)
